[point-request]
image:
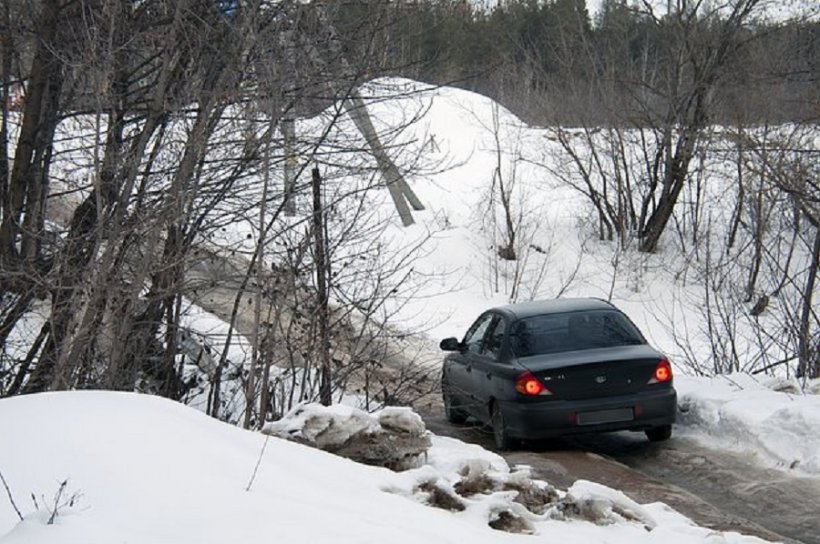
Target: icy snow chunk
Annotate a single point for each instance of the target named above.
(451, 455)
(324, 427)
(401, 419)
(603, 505)
(394, 438)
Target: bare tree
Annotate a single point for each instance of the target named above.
(634, 169)
(787, 160)
(167, 150)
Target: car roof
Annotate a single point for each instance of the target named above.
(554, 306)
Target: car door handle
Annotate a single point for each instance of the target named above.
(469, 368)
(489, 375)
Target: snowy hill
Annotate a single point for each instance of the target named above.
(141, 469)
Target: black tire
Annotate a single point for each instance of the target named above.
(659, 434)
(452, 412)
(502, 440)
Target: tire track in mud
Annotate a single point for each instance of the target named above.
(672, 472)
(786, 503)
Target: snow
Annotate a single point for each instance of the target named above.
(738, 412)
(401, 419)
(202, 340)
(145, 469)
(611, 502)
(334, 424)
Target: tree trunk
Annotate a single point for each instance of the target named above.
(734, 224)
(256, 341)
(809, 365)
(18, 309)
(675, 179)
(38, 114)
(396, 184)
(69, 298)
(6, 48)
(288, 128)
(321, 289)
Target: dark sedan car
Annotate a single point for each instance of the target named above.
(541, 369)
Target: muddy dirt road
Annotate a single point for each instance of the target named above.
(716, 489)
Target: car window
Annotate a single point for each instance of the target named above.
(495, 337)
(474, 339)
(554, 333)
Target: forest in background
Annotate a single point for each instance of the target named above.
(551, 62)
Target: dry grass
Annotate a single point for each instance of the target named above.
(475, 484)
(439, 497)
(511, 523)
(534, 498)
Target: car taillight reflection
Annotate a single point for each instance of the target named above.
(527, 384)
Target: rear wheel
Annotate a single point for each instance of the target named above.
(452, 411)
(659, 434)
(500, 436)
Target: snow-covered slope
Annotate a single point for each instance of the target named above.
(142, 469)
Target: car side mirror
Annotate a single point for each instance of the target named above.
(450, 344)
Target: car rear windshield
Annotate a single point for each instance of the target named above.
(554, 333)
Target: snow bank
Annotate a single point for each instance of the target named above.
(606, 503)
(780, 429)
(394, 437)
(147, 470)
(323, 426)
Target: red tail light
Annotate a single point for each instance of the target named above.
(527, 384)
(663, 372)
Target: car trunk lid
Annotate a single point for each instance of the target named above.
(595, 373)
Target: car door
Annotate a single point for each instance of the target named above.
(460, 373)
(493, 377)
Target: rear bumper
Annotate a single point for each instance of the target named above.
(536, 420)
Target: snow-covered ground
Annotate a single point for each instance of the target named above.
(142, 469)
(772, 421)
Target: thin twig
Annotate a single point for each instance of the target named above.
(258, 462)
(11, 498)
(772, 365)
(57, 496)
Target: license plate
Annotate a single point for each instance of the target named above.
(605, 416)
